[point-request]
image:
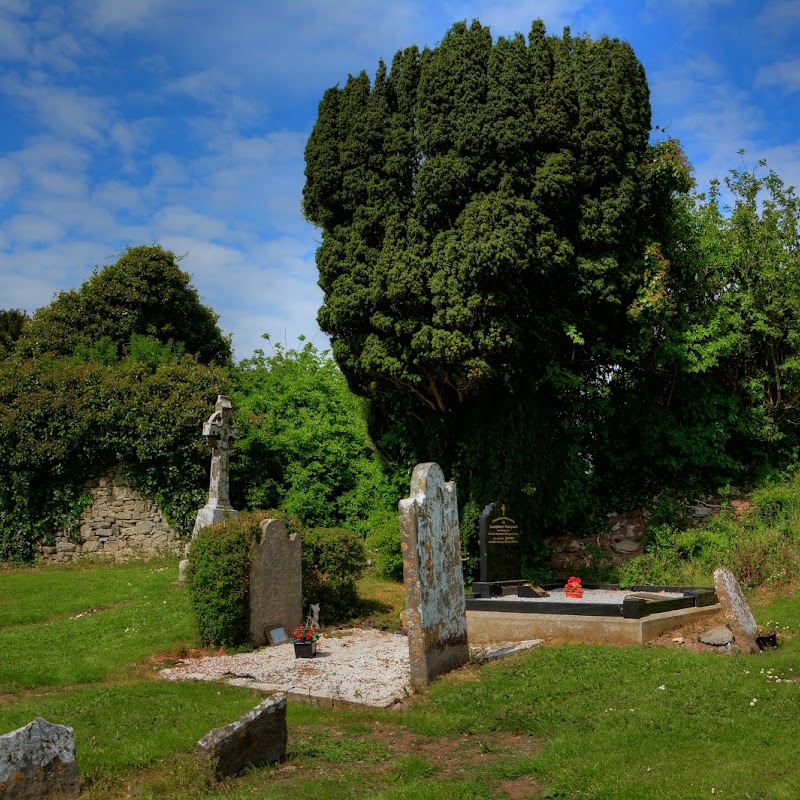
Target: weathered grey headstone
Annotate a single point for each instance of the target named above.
(500, 558)
(254, 740)
(221, 432)
(276, 582)
(38, 760)
(436, 615)
(737, 612)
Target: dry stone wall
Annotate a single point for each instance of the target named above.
(118, 524)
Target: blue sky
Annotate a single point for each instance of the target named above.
(183, 122)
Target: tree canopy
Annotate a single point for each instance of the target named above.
(12, 321)
(489, 214)
(485, 208)
(144, 292)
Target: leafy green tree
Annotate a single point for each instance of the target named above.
(304, 446)
(486, 210)
(144, 292)
(12, 321)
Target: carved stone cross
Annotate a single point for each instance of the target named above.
(221, 432)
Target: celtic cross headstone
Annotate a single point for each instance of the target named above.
(221, 432)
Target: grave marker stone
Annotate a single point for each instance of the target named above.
(276, 582)
(436, 616)
(737, 612)
(255, 739)
(39, 760)
(221, 432)
(499, 544)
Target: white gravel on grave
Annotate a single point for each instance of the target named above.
(355, 665)
(604, 596)
(352, 665)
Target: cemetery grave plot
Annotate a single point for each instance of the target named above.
(606, 614)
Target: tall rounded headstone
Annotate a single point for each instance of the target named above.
(436, 615)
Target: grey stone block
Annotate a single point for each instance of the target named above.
(256, 739)
(38, 760)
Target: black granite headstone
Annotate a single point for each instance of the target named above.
(499, 543)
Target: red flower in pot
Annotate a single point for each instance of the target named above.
(573, 588)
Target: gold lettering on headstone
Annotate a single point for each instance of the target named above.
(503, 530)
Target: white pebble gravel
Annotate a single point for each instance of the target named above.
(355, 665)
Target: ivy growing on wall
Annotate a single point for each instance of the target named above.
(62, 423)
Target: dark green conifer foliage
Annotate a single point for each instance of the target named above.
(485, 213)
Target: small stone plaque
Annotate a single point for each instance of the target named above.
(499, 544)
(276, 636)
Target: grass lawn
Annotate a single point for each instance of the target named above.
(567, 721)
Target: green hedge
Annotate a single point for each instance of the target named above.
(218, 575)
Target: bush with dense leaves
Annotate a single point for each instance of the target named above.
(333, 560)
(219, 570)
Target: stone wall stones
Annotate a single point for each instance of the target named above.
(119, 523)
(434, 587)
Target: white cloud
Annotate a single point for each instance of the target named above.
(785, 75)
(64, 111)
(13, 33)
(779, 18)
(114, 16)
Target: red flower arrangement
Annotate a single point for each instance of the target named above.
(573, 588)
(304, 633)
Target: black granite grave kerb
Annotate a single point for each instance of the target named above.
(631, 608)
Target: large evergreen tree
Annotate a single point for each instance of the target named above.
(486, 209)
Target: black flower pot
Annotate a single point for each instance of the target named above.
(767, 640)
(305, 649)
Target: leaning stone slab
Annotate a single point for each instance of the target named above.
(435, 606)
(254, 740)
(38, 760)
(737, 612)
(276, 582)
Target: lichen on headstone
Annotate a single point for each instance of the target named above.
(256, 739)
(276, 581)
(38, 760)
(434, 587)
(737, 613)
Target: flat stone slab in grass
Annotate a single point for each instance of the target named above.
(737, 612)
(256, 739)
(38, 760)
(718, 637)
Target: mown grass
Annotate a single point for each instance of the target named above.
(606, 722)
(74, 626)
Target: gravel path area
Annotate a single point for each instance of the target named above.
(354, 666)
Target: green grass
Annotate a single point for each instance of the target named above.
(598, 722)
(28, 596)
(82, 626)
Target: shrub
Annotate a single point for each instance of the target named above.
(383, 544)
(218, 579)
(219, 570)
(333, 560)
